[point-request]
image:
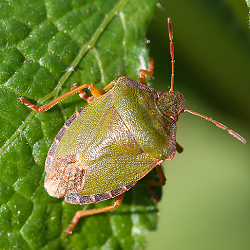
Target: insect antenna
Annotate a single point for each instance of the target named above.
(170, 33)
(218, 124)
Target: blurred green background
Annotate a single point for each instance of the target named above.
(206, 201)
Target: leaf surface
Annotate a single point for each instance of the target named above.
(46, 46)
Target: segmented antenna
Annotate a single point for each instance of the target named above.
(218, 124)
(170, 33)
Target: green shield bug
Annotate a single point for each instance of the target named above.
(125, 131)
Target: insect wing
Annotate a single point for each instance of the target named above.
(95, 154)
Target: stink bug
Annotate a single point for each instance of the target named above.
(125, 131)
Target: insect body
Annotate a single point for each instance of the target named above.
(112, 143)
(118, 138)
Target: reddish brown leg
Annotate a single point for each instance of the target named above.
(179, 148)
(161, 182)
(93, 89)
(79, 214)
(82, 94)
(91, 98)
(142, 73)
(161, 175)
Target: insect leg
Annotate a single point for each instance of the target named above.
(79, 214)
(149, 72)
(93, 89)
(91, 98)
(82, 94)
(161, 182)
(179, 148)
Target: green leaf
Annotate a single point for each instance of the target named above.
(46, 46)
